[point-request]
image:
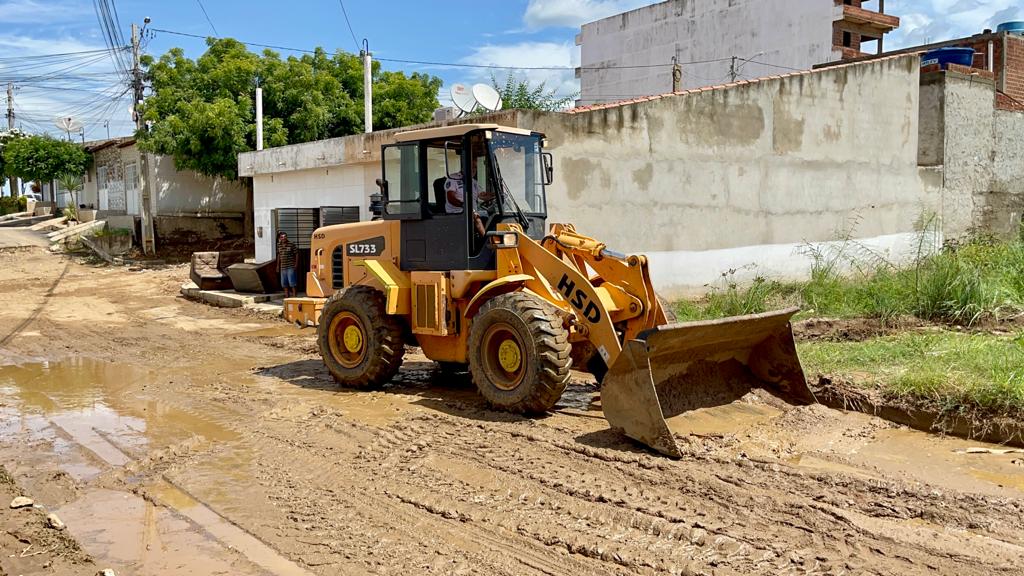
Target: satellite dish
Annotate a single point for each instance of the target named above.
(487, 97)
(463, 98)
(67, 124)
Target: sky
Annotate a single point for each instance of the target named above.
(494, 32)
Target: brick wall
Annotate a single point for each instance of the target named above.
(837, 37)
(1014, 80)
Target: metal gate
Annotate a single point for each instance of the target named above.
(331, 215)
(298, 224)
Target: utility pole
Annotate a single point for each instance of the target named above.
(677, 76)
(367, 86)
(10, 105)
(15, 188)
(148, 240)
(733, 71)
(106, 124)
(259, 117)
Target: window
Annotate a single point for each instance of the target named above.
(847, 40)
(131, 176)
(437, 174)
(518, 162)
(402, 173)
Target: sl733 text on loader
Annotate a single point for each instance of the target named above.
(487, 285)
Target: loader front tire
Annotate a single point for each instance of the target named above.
(361, 345)
(519, 353)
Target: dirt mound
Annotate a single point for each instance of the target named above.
(849, 329)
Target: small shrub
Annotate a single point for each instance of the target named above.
(736, 301)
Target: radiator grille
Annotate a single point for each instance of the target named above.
(426, 306)
(338, 267)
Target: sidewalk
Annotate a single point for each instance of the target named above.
(18, 237)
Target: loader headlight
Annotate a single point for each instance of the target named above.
(499, 239)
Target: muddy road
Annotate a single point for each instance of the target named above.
(175, 438)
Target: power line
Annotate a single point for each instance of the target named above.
(776, 66)
(345, 13)
(208, 21)
(458, 64)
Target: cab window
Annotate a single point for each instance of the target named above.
(402, 173)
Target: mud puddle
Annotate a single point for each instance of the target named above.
(946, 459)
(86, 418)
(823, 439)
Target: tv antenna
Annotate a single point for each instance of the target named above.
(487, 97)
(463, 99)
(67, 124)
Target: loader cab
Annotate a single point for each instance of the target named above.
(503, 174)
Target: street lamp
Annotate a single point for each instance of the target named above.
(734, 69)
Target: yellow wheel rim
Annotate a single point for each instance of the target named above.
(509, 355)
(346, 340)
(353, 338)
(503, 355)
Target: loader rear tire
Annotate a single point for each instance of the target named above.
(519, 353)
(360, 343)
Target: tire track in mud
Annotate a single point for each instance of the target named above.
(524, 497)
(518, 497)
(458, 494)
(746, 508)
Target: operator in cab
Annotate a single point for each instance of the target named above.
(455, 196)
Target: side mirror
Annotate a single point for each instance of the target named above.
(549, 170)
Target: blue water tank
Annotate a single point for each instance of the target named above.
(946, 56)
(1015, 27)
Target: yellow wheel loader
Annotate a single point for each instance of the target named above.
(461, 264)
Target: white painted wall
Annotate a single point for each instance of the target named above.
(186, 192)
(348, 185)
(791, 33)
(739, 178)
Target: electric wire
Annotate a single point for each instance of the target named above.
(208, 21)
(458, 64)
(349, 24)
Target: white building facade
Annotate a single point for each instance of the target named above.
(718, 41)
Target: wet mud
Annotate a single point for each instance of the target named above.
(178, 439)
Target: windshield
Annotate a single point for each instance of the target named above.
(517, 162)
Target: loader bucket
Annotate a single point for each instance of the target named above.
(675, 368)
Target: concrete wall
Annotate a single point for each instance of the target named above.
(792, 34)
(968, 115)
(741, 178)
(347, 185)
(184, 192)
(176, 193)
(978, 151)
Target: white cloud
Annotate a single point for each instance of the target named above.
(36, 12)
(574, 13)
(527, 55)
(924, 21)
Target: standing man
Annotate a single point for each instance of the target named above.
(287, 257)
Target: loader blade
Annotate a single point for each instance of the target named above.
(675, 368)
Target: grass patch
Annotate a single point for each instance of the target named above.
(958, 285)
(949, 370)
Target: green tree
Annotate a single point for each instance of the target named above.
(516, 92)
(202, 112)
(43, 159)
(5, 138)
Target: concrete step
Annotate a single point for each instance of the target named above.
(226, 298)
(51, 223)
(76, 230)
